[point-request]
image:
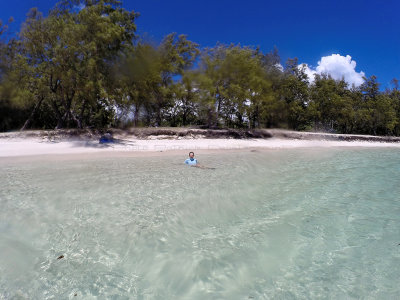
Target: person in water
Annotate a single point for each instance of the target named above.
(191, 160)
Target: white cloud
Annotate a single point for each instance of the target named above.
(338, 67)
(279, 67)
(309, 72)
(79, 7)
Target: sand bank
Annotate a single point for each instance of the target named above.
(150, 141)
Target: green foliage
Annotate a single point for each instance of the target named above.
(65, 58)
(294, 90)
(234, 84)
(84, 65)
(145, 75)
(328, 103)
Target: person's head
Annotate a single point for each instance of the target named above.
(191, 154)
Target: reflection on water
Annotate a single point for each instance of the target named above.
(288, 224)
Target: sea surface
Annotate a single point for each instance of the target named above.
(265, 224)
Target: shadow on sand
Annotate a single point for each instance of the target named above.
(96, 144)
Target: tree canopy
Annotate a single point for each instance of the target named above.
(84, 65)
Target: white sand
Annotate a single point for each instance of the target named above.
(16, 147)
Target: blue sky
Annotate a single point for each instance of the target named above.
(368, 31)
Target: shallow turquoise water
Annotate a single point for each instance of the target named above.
(279, 224)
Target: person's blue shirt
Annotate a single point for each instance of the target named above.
(191, 161)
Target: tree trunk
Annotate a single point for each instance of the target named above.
(136, 116)
(82, 112)
(29, 120)
(158, 117)
(210, 118)
(218, 111)
(76, 119)
(60, 121)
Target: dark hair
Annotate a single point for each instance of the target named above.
(191, 152)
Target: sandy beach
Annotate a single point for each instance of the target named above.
(34, 143)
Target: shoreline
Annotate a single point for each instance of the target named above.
(150, 141)
(189, 133)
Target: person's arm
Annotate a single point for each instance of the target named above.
(197, 165)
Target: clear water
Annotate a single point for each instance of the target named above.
(279, 224)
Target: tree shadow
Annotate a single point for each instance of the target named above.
(96, 144)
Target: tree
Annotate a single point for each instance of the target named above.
(328, 102)
(294, 90)
(137, 77)
(148, 76)
(235, 85)
(186, 101)
(84, 65)
(177, 54)
(394, 95)
(376, 112)
(69, 55)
